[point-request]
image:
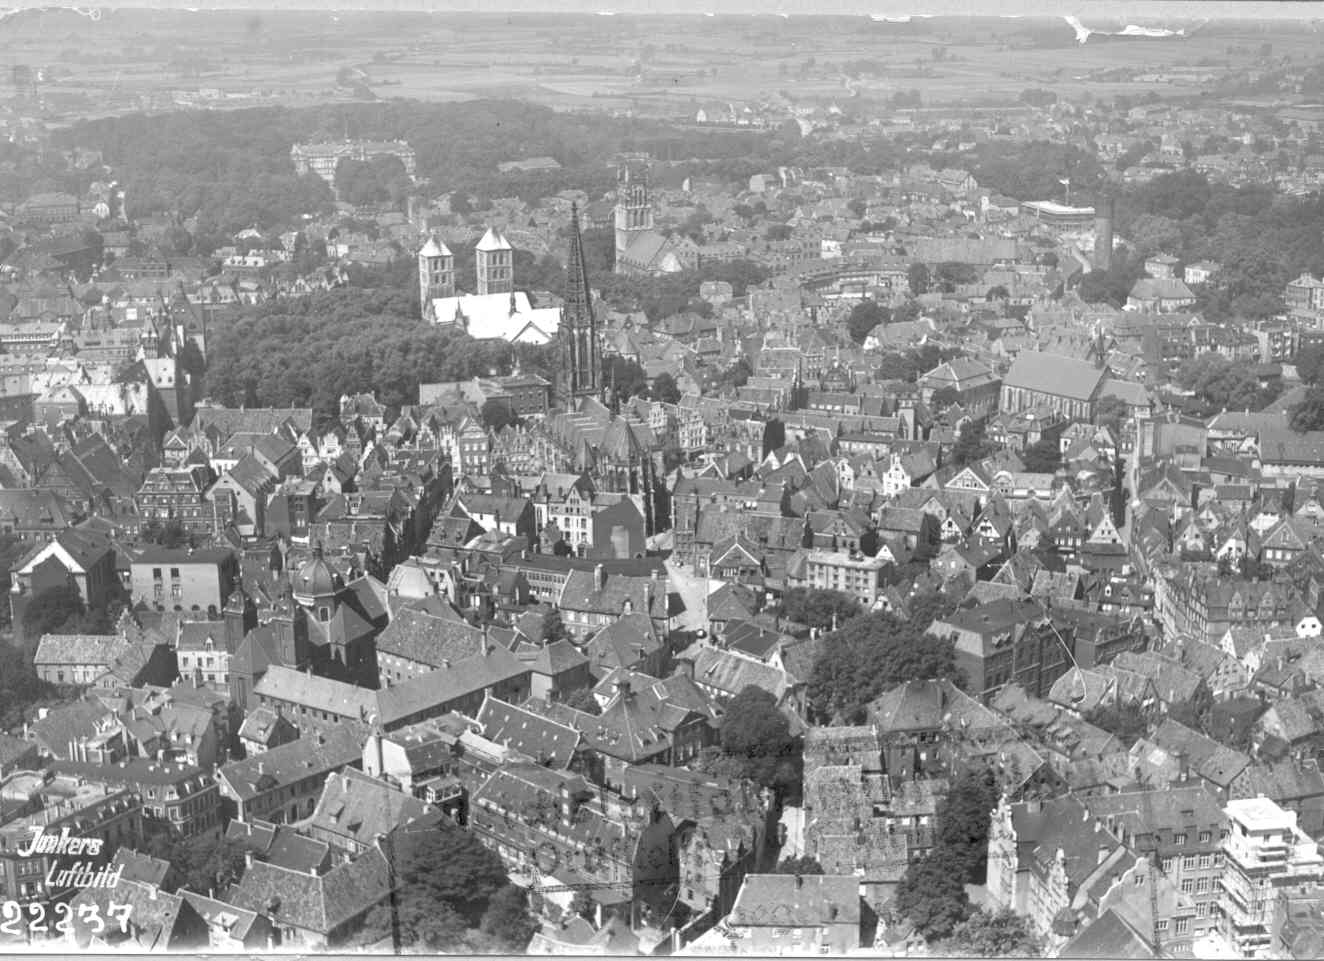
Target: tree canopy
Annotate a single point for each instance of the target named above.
(1223, 384)
(1043, 457)
(1001, 934)
(970, 445)
(932, 891)
(48, 611)
(21, 690)
(963, 822)
(932, 894)
(817, 607)
(755, 732)
(864, 317)
(307, 351)
(451, 895)
(665, 389)
(871, 654)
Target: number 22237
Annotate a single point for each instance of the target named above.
(13, 917)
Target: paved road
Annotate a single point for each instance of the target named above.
(693, 592)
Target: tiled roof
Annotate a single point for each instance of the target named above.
(1054, 375)
(315, 692)
(796, 901)
(313, 754)
(418, 636)
(71, 649)
(731, 673)
(436, 688)
(318, 903)
(279, 844)
(361, 808)
(546, 741)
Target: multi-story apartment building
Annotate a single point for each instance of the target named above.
(566, 500)
(179, 799)
(184, 580)
(853, 573)
(1182, 830)
(1266, 855)
(1007, 641)
(177, 494)
(1198, 603)
(282, 785)
(1305, 299)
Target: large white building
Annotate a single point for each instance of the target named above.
(498, 311)
(1264, 855)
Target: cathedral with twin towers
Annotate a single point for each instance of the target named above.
(498, 309)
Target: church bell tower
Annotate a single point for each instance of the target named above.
(634, 206)
(436, 274)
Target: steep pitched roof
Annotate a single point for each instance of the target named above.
(1055, 375)
(313, 902)
(546, 741)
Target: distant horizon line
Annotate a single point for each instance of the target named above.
(1137, 10)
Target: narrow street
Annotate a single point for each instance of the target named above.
(693, 593)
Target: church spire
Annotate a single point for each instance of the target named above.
(578, 325)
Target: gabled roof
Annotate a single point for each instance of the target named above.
(312, 902)
(539, 738)
(309, 756)
(1055, 375)
(361, 808)
(418, 636)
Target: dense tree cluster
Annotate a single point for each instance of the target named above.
(1112, 286)
(756, 737)
(453, 896)
(971, 445)
(1033, 170)
(864, 317)
(1043, 457)
(932, 891)
(1220, 383)
(233, 170)
(819, 608)
(379, 180)
(908, 365)
(60, 610)
(986, 934)
(670, 294)
(307, 351)
(871, 654)
(20, 687)
(1260, 239)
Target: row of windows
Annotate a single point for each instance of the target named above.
(1183, 925)
(1190, 861)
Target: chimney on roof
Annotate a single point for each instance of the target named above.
(599, 577)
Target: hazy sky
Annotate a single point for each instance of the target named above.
(1128, 10)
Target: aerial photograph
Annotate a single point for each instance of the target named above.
(715, 480)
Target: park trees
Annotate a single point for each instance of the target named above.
(757, 734)
(451, 895)
(871, 654)
(819, 608)
(864, 317)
